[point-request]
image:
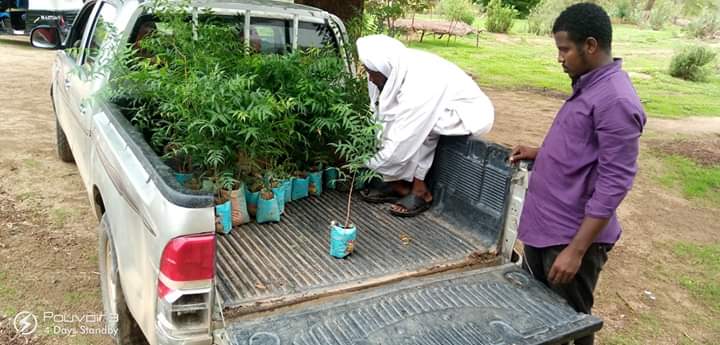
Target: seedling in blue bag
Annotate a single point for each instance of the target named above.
(268, 209)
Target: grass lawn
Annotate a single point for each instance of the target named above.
(521, 60)
(695, 181)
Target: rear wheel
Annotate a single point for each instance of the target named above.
(63, 147)
(123, 328)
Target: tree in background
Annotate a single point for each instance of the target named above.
(384, 13)
(418, 6)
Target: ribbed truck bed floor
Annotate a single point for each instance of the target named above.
(271, 264)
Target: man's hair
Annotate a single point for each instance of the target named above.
(585, 20)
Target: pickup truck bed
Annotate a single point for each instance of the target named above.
(266, 265)
(262, 262)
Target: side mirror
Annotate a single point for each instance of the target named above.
(45, 37)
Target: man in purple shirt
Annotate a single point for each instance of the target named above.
(586, 164)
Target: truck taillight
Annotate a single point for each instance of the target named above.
(185, 286)
(189, 258)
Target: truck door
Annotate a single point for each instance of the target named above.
(81, 81)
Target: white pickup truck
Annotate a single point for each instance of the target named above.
(446, 277)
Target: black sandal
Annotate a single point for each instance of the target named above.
(380, 193)
(413, 204)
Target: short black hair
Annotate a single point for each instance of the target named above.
(585, 20)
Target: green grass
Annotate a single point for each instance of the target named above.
(703, 277)
(521, 60)
(695, 181)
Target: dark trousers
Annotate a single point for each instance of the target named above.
(579, 292)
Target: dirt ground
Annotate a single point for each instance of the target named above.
(48, 260)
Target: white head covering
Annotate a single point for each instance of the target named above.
(379, 52)
(383, 54)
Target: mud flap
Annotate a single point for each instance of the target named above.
(500, 305)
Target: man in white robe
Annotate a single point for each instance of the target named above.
(417, 97)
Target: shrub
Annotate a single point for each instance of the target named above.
(499, 17)
(705, 25)
(692, 63)
(522, 6)
(625, 11)
(661, 14)
(458, 11)
(542, 17)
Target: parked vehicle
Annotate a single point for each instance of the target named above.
(448, 276)
(19, 17)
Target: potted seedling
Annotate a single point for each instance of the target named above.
(285, 180)
(268, 209)
(359, 146)
(330, 176)
(315, 181)
(223, 203)
(181, 162)
(239, 208)
(278, 186)
(252, 195)
(300, 184)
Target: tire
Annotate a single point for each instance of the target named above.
(128, 331)
(63, 147)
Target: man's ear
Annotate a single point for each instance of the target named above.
(591, 45)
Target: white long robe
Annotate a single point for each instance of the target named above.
(424, 97)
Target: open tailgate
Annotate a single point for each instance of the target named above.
(498, 305)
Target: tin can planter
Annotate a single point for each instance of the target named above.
(279, 193)
(287, 187)
(239, 208)
(315, 183)
(224, 214)
(330, 175)
(342, 240)
(268, 209)
(252, 202)
(183, 178)
(299, 188)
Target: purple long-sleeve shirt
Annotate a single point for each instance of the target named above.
(588, 161)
